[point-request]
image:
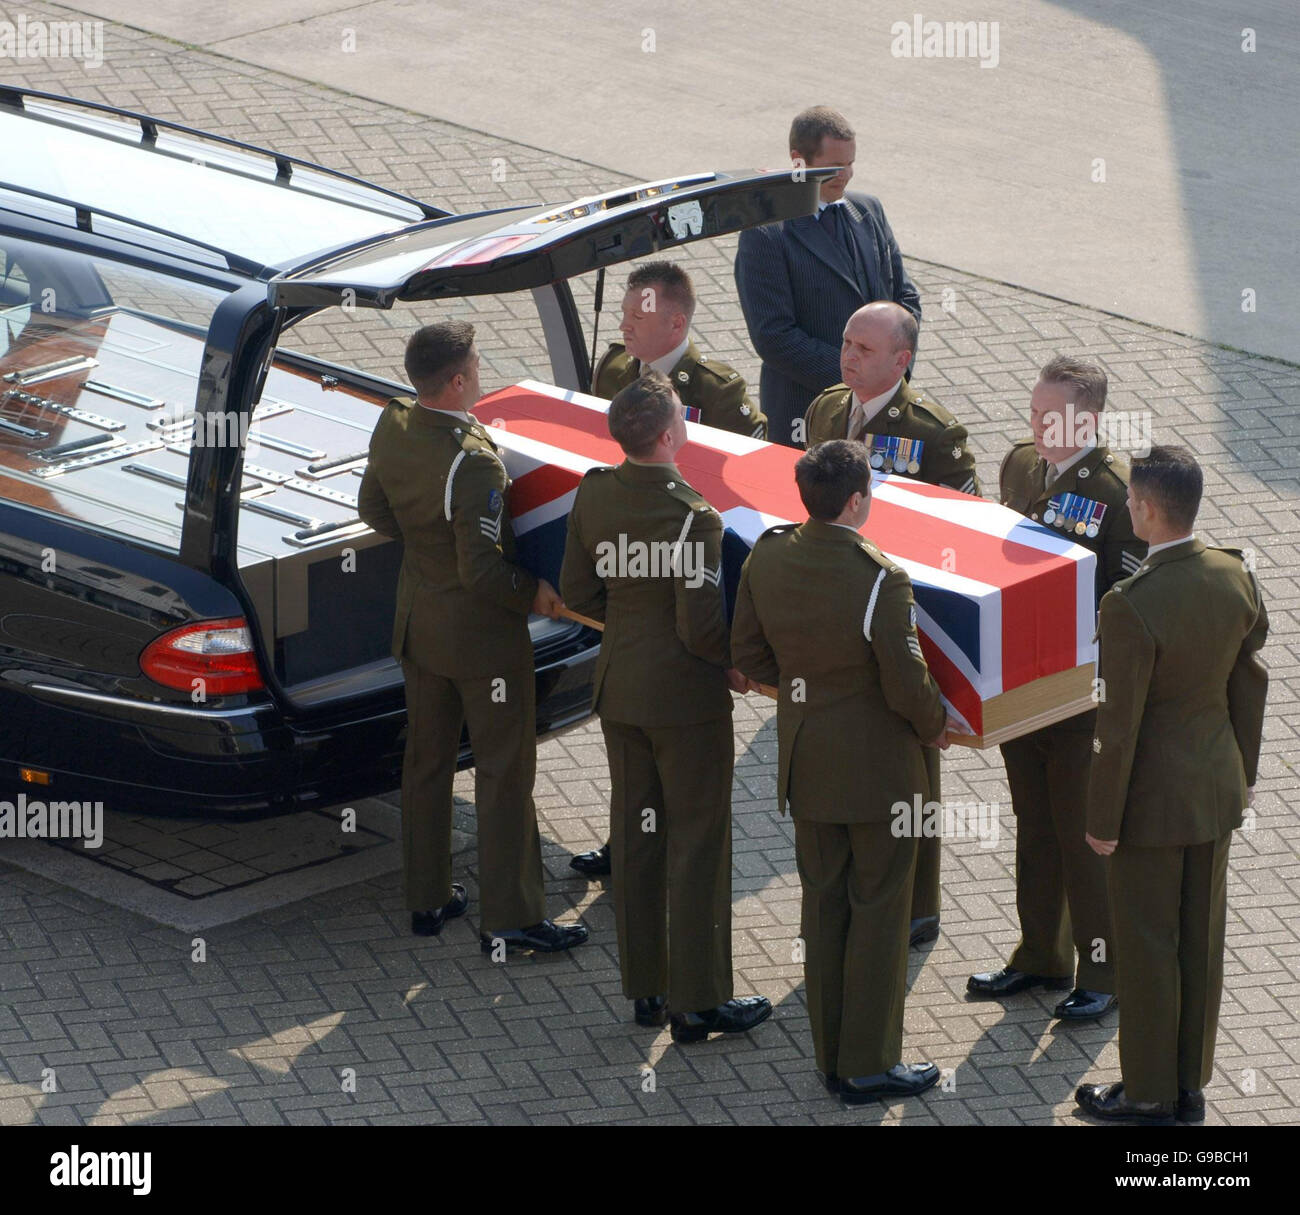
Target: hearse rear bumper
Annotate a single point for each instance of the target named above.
(248, 760)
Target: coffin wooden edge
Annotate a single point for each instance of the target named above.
(1041, 702)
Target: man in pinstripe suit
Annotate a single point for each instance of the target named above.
(800, 280)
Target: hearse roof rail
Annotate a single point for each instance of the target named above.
(79, 114)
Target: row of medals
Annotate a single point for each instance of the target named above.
(907, 466)
(1080, 528)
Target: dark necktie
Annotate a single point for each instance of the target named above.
(832, 219)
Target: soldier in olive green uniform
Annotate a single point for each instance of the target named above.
(657, 309)
(1174, 762)
(909, 434)
(826, 617)
(644, 555)
(1060, 883)
(712, 392)
(435, 482)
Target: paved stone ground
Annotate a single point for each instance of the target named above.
(134, 1029)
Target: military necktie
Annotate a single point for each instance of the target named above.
(857, 419)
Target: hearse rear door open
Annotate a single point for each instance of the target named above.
(320, 583)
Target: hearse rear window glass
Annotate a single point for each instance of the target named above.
(188, 192)
(98, 361)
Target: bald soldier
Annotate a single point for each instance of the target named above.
(824, 615)
(910, 434)
(1174, 762)
(644, 555)
(1065, 478)
(436, 483)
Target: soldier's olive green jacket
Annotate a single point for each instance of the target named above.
(934, 444)
(644, 555)
(829, 619)
(1178, 733)
(1095, 490)
(438, 485)
(703, 384)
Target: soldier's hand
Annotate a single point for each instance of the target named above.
(547, 601)
(1100, 847)
(950, 726)
(739, 682)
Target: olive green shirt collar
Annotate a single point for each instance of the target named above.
(816, 529)
(649, 474)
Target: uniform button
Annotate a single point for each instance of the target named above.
(893, 412)
(683, 376)
(1083, 472)
(1034, 515)
(672, 484)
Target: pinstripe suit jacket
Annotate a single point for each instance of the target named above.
(797, 290)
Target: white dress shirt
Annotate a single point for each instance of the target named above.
(670, 360)
(1155, 548)
(1068, 463)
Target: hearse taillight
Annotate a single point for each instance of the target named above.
(219, 653)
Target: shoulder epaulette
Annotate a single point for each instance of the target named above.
(876, 555)
(1016, 447)
(719, 371)
(940, 413)
(1117, 467)
(779, 530)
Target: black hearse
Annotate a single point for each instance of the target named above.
(192, 617)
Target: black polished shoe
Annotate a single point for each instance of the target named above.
(592, 864)
(923, 929)
(546, 937)
(733, 1017)
(1083, 1005)
(1008, 981)
(1191, 1105)
(651, 1010)
(830, 1080)
(1109, 1102)
(901, 1080)
(429, 923)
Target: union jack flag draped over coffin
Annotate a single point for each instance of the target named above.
(1004, 606)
